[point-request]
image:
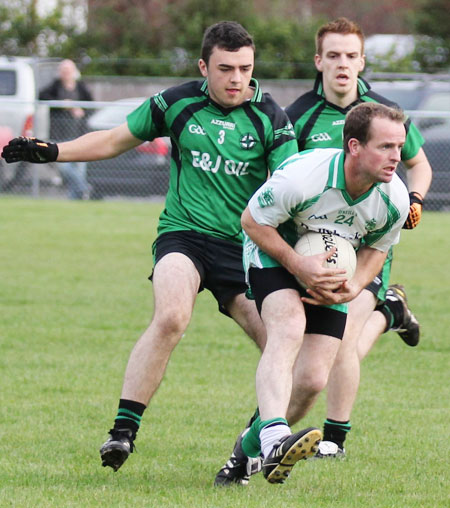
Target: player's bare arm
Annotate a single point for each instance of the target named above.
(419, 176)
(98, 145)
(419, 173)
(309, 269)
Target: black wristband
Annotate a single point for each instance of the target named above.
(415, 197)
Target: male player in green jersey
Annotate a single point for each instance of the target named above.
(226, 137)
(318, 118)
(314, 191)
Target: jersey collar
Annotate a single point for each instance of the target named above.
(257, 96)
(363, 88)
(336, 179)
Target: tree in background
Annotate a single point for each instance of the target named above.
(23, 32)
(162, 37)
(432, 18)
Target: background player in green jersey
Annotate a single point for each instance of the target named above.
(310, 192)
(226, 136)
(318, 118)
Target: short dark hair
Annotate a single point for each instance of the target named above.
(227, 35)
(341, 26)
(359, 119)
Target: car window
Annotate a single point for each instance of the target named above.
(406, 99)
(438, 101)
(8, 83)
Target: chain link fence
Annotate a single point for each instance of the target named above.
(143, 172)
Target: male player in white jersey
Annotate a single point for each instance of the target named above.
(310, 193)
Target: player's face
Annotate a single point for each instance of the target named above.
(340, 63)
(229, 74)
(379, 157)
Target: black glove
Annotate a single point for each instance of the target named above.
(415, 210)
(31, 150)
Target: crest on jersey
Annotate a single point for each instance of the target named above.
(247, 141)
(371, 225)
(266, 198)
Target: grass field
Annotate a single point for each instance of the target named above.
(74, 299)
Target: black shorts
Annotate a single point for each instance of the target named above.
(319, 319)
(219, 262)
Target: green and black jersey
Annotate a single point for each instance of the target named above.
(319, 123)
(219, 156)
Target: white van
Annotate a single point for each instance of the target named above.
(18, 93)
(20, 114)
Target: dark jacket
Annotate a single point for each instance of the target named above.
(63, 125)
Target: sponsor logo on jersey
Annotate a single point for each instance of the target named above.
(196, 129)
(339, 122)
(319, 217)
(222, 123)
(205, 162)
(247, 141)
(322, 136)
(266, 198)
(371, 224)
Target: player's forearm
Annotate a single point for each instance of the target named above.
(92, 146)
(98, 145)
(369, 263)
(419, 174)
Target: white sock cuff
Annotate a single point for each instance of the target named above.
(271, 434)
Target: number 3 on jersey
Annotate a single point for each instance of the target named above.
(221, 137)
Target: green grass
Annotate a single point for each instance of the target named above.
(74, 299)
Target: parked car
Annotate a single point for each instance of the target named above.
(427, 102)
(20, 114)
(142, 171)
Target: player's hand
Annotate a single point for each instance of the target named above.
(345, 293)
(313, 274)
(31, 150)
(415, 210)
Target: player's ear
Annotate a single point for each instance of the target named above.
(363, 63)
(318, 62)
(203, 67)
(353, 146)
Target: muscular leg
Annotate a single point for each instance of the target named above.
(373, 329)
(344, 376)
(246, 315)
(312, 370)
(284, 318)
(175, 285)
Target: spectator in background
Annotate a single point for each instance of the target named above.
(69, 123)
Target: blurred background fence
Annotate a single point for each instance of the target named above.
(144, 171)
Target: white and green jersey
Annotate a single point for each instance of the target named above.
(309, 194)
(219, 156)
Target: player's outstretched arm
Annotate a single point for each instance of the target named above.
(98, 145)
(92, 146)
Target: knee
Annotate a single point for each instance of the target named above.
(312, 383)
(170, 326)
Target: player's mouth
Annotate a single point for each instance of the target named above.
(233, 91)
(342, 78)
(390, 170)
